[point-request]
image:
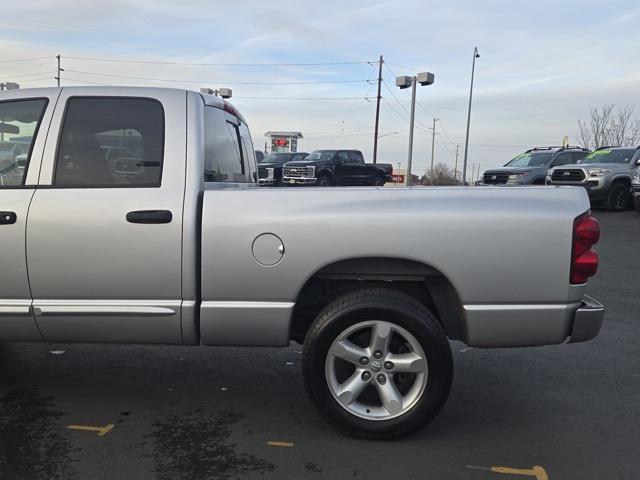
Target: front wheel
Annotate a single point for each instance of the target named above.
(617, 198)
(377, 364)
(323, 181)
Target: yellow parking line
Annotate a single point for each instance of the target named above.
(101, 431)
(536, 471)
(280, 444)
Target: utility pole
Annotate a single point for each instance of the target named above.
(455, 168)
(59, 70)
(466, 142)
(478, 174)
(433, 143)
(379, 97)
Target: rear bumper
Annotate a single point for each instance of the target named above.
(587, 320)
(532, 325)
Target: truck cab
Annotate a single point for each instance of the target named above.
(111, 251)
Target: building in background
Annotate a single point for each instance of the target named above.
(399, 178)
(282, 141)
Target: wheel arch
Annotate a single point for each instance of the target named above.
(621, 178)
(420, 280)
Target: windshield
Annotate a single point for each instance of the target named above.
(619, 155)
(5, 146)
(321, 155)
(531, 159)
(276, 158)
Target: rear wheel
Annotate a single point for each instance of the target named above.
(617, 198)
(377, 364)
(379, 182)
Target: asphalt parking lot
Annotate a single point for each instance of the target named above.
(192, 413)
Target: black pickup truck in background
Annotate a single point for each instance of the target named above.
(335, 167)
(270, 166)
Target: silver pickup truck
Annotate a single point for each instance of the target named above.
(134, 219)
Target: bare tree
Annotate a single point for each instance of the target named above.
(608, 126)
(442, 175)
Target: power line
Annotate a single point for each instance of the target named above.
(35, 74)
(35, 79)
(304, 98)
(217, 81)
(29, 68)
(8, 60)
(402, 116)
(402, 66)
(352, 112)
(158, 62)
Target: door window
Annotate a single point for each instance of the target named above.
(19, 123)
(111, 142)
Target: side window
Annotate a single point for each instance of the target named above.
(111, 142)
(356, 157)
(19, 123)
(224, 153)
(343, 157)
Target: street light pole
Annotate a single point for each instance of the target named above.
(411, 122)
(423, 78)
(466, 142)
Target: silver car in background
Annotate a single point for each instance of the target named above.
(605, 174)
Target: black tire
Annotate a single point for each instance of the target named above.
(636, 203)
(618, 197)
(323, 180)
(401, 310)
(379, 182)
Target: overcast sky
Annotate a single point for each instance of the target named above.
(543, 64)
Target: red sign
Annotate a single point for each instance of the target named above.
(397, 178)
(280, 142)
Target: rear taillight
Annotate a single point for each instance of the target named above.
(584, 261)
